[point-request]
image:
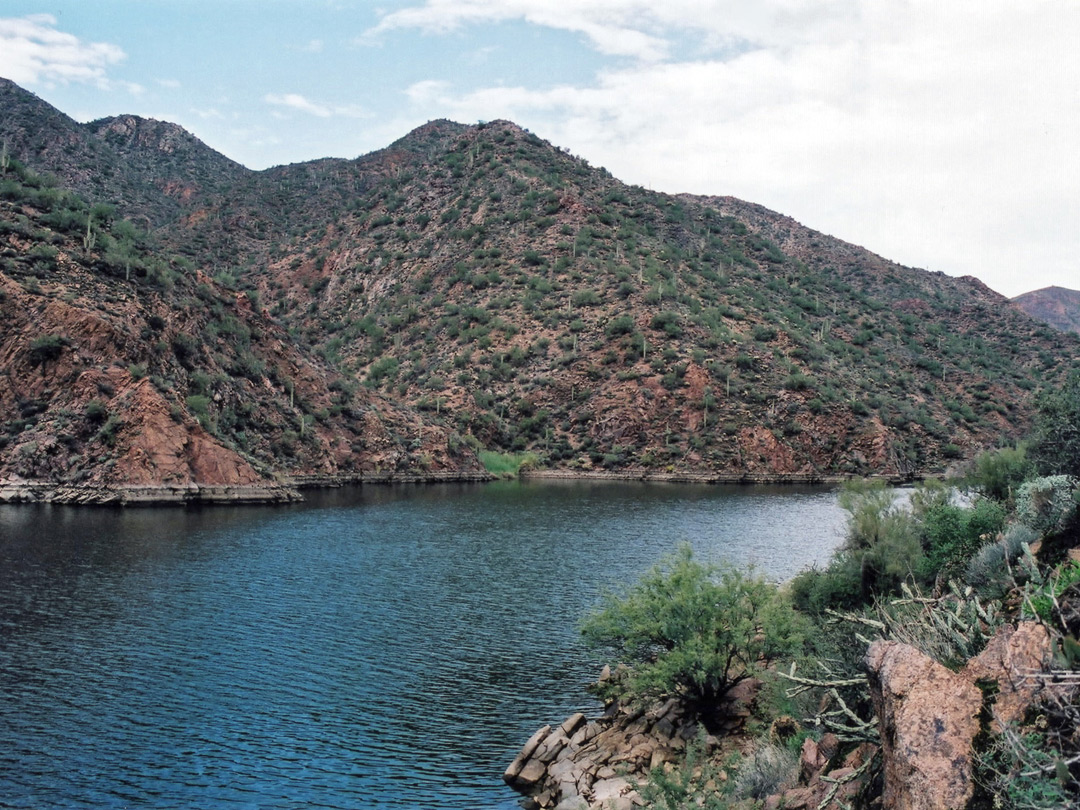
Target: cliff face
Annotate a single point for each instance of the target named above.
(1057, 306)
(466, 287)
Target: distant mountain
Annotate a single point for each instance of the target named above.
(1058, 306)
(467, 288)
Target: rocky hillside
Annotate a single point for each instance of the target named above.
(505, 295)
(1057, 306)
(128, 374)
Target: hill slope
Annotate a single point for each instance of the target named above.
(481, 286)
(127, 374)
(1058, 306)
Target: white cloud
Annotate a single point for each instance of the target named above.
(169, 84)
(32, 50)
(935, 134)
(607, 24)
(295, 101)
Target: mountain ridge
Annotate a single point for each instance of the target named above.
(507, 296)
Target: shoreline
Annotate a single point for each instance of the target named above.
(290, 490)
(692, 477)
(287, 491)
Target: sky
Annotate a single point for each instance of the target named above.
(942, 135)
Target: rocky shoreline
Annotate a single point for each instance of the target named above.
(290, 489)
(928, 719)
(287, 491)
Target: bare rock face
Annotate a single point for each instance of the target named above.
(1010, 657)
(929, 719)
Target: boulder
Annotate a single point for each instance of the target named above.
(928, 718)
(512, 774)
(608, 789)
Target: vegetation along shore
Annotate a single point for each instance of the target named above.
(933, 663)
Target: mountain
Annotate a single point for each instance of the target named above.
(467, 288)
(1057, 306)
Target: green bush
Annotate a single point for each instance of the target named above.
(998, 473)
(1057, 429)
(694, 785)
(766, 771)
(837, 586)
(199, 405)
(882, 537)
(621, 325)
(693, 630)
(506, 465)
(95, 412)
(951, 534)
(46, 348)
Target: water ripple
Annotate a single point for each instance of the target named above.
(383, 648)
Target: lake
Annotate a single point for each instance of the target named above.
(375, 647)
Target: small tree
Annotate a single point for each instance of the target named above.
(999, 472)
(694, 631)
(1057, 429)
(882, 537)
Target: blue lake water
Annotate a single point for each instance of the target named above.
(375, 647)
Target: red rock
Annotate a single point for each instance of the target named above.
(928, 720)
(1011, 655)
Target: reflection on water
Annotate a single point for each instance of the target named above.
(377, 647)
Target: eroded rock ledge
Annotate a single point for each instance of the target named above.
(286, 491)
(37, 492)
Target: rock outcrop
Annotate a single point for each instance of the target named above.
(1008, 661)
(929, 716)
(589, 764)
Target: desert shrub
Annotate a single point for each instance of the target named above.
(383, 368)
(185, 347)
(620, 325)
(1056, 446)
(765, 772)
(990, 570)
(694, 630)
(882, 537)
(798, 382)
(882, 549)
(107, 433)
(667, 322)
(506, 465)
(693, 785)
(837, 586)
(198, 405)
(998, 473)
(95, 412)
(951, 533)
(1046, 504)
(45, 348)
